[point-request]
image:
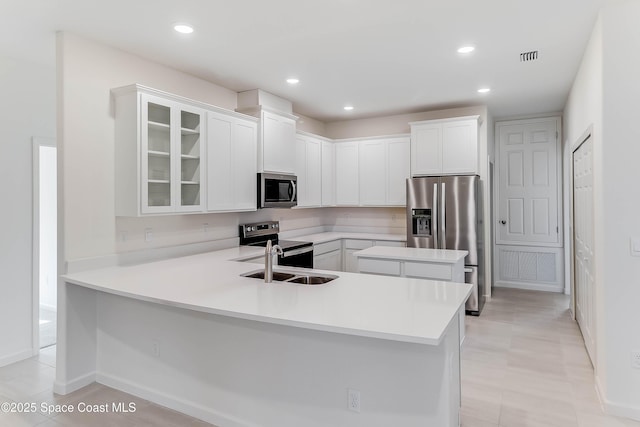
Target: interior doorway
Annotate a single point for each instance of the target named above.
(45, 242)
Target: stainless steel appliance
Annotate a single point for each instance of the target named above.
(445, 213)
(277, 190)
(294, 253)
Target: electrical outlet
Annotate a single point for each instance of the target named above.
(148, 234)
(205, 227)
(155, 348)
(123, 236)
(353, 400)
(635, 359)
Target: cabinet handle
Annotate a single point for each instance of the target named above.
(503, 222)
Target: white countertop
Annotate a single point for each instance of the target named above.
(399, 309)
(447, 256)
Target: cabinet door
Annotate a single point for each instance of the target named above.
(347, 171)
(189, 146)
(328, 261)
(373, 173)
(460, 147)
(301, 169)
(426, 149)
(328, 173)
(398, 165)
(219, 162)
(278, 143)
(314, 172)
(157, 156)
(350, 261)
(244, 153)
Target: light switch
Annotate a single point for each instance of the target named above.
(635, 246)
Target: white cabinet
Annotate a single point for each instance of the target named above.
(159, 143)
(373, 171)
(308, 170)
(398, 170)
(231, 162)
(328, 256)
(441, 147)
(384, 168)
(347, 174)
(328, 173)
(277, 149)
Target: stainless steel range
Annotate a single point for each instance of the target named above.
(294, 253)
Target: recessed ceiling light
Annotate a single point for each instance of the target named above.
(466, 49)
(484, 90)
(293, 81)
(348, 107)
(183, 28)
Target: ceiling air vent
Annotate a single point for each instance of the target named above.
(529, 56)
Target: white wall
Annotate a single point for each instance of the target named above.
(605, 95)
(27, 109)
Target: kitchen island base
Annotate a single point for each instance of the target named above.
(235, 372)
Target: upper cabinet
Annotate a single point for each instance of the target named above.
(328, 173)
(384, 169)
(347, 173)
(277, 143)
(444, 147)
(277, 134)
(231, 161)
(309, 170)
(174, 155)
(159, 153)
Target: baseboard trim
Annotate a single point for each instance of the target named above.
(529, 286)
(75, 384)
(616, 409)
(174, 402)
(16, 357)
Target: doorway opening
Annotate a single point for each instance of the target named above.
(45, 244)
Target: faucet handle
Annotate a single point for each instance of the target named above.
(276, 250)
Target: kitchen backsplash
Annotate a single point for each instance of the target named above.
(133, 234)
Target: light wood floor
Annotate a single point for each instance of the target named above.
(523, 365)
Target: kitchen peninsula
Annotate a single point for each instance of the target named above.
(192, 334)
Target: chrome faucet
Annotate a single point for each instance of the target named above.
(269, 252)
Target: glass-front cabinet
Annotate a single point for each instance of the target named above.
(172, 140)
(159, 144)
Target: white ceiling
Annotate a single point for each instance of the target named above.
(382, 56)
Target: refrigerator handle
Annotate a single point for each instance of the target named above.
(443, 225)
(434, 222)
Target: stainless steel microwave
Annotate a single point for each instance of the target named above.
(277, 190)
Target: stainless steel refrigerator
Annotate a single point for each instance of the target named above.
(445, 213)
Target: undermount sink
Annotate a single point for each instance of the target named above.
(293, 277)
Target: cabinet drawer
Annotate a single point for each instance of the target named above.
(376, 266)
(428, 271)
(323, 248)
(357, 244)
(391, 243)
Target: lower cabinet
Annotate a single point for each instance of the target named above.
(328, 256)
(352, 246)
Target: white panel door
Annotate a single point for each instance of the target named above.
(528, 205)
(583, 243)
(347, 174)
(278, 143)
(398, 162)
(373, 173)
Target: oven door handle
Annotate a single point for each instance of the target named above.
(299, 251)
